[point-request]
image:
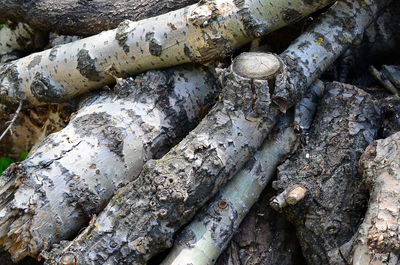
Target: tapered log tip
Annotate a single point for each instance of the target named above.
(257, 65)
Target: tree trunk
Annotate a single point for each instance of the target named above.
(72, 174)
(199, 33)
(84, 17)
(326, 170)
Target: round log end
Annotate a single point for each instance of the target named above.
(257, 65)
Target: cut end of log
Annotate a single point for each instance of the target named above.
(257, 65)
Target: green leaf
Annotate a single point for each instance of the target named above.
(5, 162)
(1, 26)
(23, 155)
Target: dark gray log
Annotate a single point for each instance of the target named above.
(327, 167)
(76, 17)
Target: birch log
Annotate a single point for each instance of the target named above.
(142, 217)
(198, 33)
(72, 174)
(201, 242)
(377, 240)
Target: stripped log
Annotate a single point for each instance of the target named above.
(326, 168)
(72, 174)
(377, 241)
(199, 33)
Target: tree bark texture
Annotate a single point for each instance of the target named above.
(377, 241)
(264, 237)
(83, 17)
(200, 33)
(142, 217)
(203, 240)
(327, 168)
(72, 174)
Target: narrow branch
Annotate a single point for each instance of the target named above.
(13, 120)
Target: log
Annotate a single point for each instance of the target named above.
(200, 33)
(83, 18)
(326, 168)
(203, 240)
(377, 241)
(142, 217)
(72, 174)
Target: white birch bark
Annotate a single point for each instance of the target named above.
(198, 33)
(72, 174)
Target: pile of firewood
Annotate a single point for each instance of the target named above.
(154, 127)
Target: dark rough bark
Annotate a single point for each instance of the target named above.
(264, 237)
(327, 167)
(83, 18)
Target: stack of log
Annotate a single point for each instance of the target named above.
(154, 130)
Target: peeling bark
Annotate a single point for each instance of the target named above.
(326, 167)
(72, 174)
(143, 216)
(377, 241)
(198, 33)
(84, 17)
(203, 240)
